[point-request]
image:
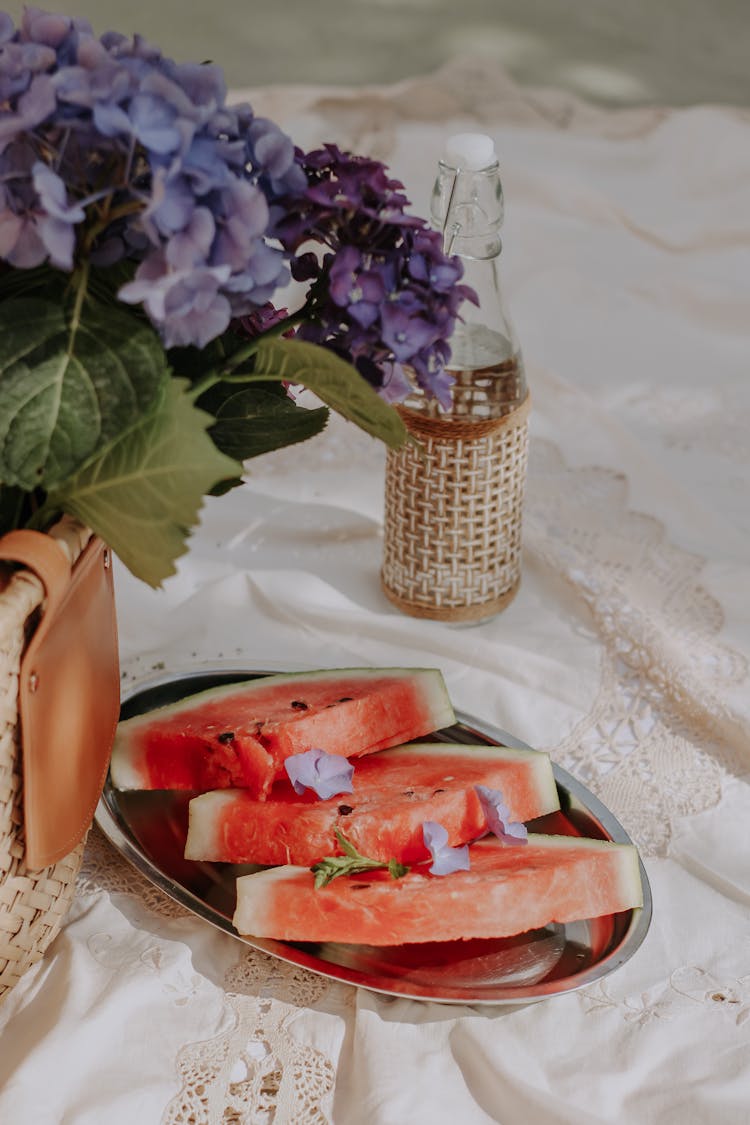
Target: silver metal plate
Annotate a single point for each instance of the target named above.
(149, 828)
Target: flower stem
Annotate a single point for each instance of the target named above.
(225, 374)
(81, 281)
(109, 216)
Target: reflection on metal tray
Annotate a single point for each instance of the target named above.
(149, 830)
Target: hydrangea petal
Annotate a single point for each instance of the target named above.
(326, 774)
(53, 196)
(110, 119)
(497, 815)
(45, 27)
(59, 240)
(274, 150)
(445, 859)
(192, 246)
(28, 249)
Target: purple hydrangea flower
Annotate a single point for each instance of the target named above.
(497, 815)
(261, 321)
(385, 295)
(445, 860)
(326, 774)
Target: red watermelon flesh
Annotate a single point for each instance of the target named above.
(239, 735)
(508, 890)
(394, 792)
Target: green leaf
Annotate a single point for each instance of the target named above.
(257, 419)
(142, 495)
(226, 485)
(351, 863)
(68, 388)
(192, 362)
(334, 381)
(41, 280)
(12, 502)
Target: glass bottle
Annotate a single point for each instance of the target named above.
(467, 206)
(453, 509)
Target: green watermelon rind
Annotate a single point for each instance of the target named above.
(125, 775)
(258, 898)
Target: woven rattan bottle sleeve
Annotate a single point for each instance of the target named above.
(453, 510)
(33, 904)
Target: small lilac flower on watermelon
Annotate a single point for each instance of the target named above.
(445, 860)
(326, 774)
(497, 815)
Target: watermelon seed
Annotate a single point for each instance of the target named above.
(359, 886)
(345, 809)
(225, 736)
(298, 705)
(408, 792)
(438, 791)
(346, 699)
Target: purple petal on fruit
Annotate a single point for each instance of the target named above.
(445, 859)
(326, 774)
(497, 815)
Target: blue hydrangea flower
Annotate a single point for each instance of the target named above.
(127, 154)
(111, 152)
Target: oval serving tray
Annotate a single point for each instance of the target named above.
(149, 828)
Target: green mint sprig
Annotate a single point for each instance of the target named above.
(351, 863)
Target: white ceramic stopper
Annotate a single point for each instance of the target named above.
(469, 151)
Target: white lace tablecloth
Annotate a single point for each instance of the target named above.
(627, 262)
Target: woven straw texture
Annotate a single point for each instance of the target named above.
(453, 513)
(33, 904)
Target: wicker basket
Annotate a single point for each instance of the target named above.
(35, 900)
(453, 510)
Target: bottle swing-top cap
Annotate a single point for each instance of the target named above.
(470, 152)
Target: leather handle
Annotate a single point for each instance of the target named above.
(68, 692)
(41, 554)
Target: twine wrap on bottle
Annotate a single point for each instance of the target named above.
(453, 511)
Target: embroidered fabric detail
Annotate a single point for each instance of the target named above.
(258, 974)
(658, 739)
(687, 986)
(254, 1073)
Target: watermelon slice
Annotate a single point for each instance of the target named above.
(394, 793)
(240, 734)
(509, 890)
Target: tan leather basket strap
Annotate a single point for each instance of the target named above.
(42, 554)
(68, 693)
